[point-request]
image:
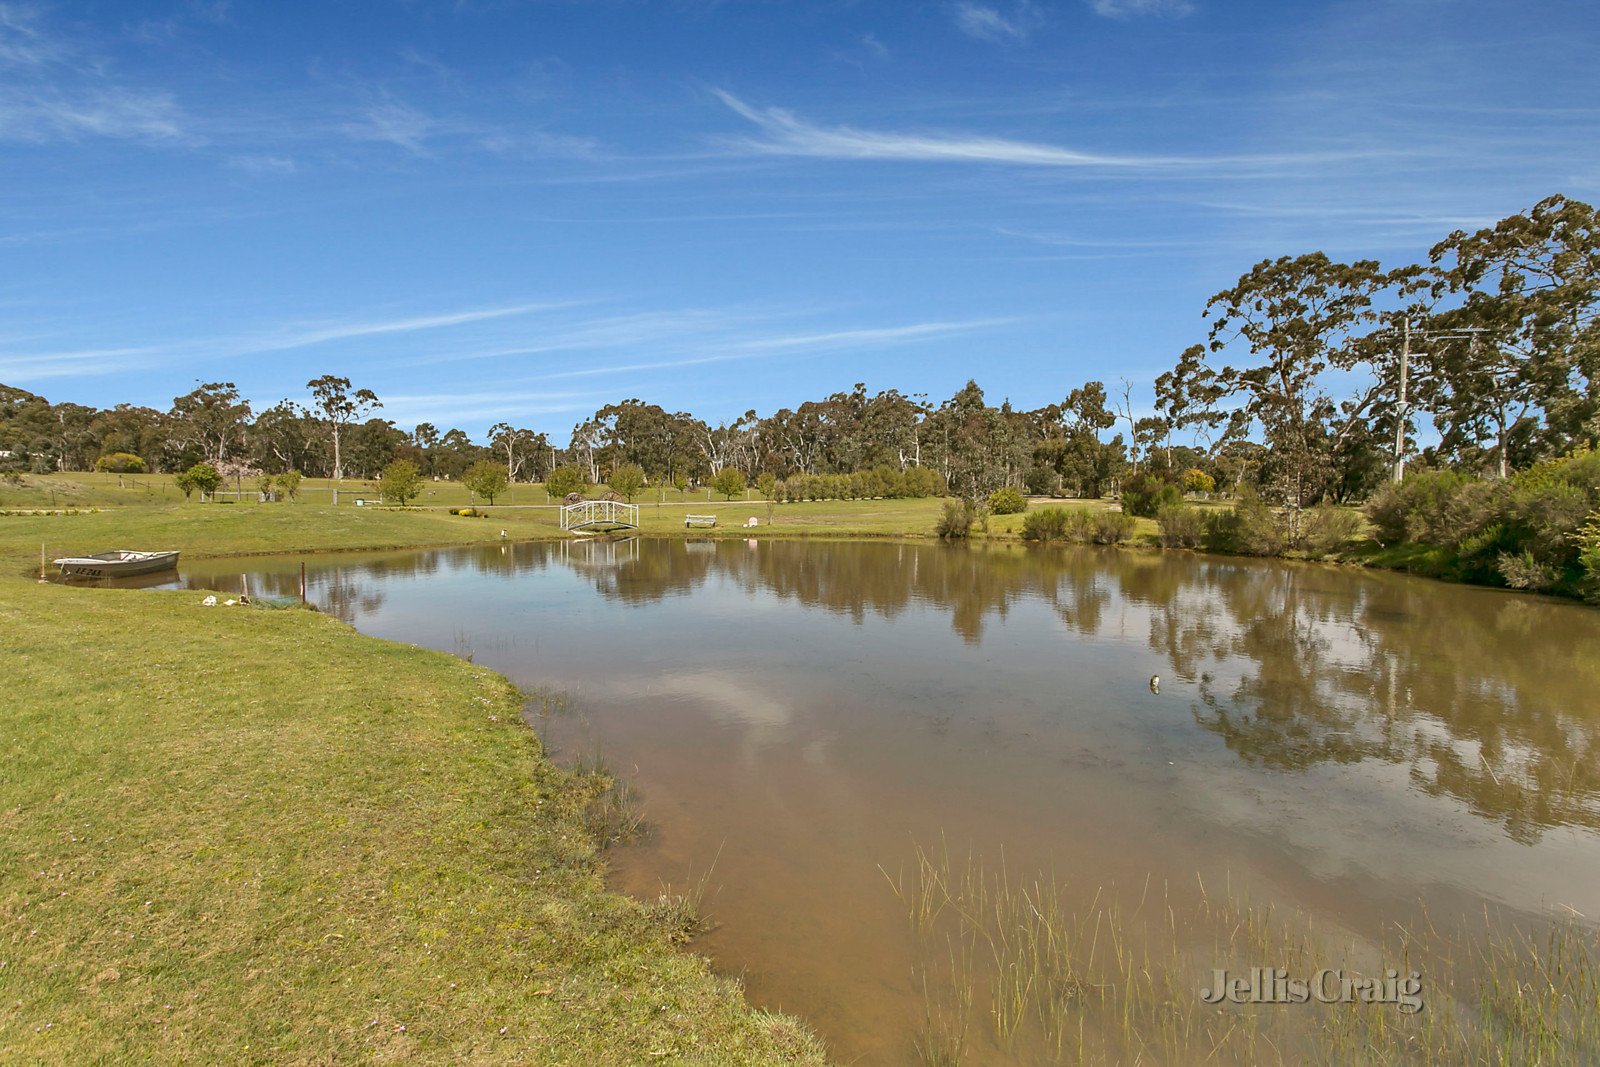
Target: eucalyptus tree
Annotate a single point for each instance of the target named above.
(426, 438)
(520, 446)
(126, 428)
(212, 418)
(372, 445)
(337, 405)
(1187, 397)
(1529, 301)
(285, 438)
(1296, 317)
(454, 453)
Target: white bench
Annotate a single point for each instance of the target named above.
(699, 520)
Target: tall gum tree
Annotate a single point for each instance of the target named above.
(1529, 298)
(1297, 317)
(333, 401)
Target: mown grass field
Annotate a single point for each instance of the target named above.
(251, 836)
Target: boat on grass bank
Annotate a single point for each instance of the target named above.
(117, 563)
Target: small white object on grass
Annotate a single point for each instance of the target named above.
(209, 602)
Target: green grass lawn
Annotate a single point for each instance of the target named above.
(236, 835)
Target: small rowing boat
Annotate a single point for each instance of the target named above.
(116, 564)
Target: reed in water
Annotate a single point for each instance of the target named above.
(1010, 969)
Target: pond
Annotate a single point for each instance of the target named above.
(831, 728)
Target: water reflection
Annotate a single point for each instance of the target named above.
(1483, 697)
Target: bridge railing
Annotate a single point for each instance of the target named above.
(597, 512)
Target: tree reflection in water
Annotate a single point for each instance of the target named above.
(1484, 697)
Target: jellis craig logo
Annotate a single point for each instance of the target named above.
(1273, 985)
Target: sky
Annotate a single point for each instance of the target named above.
(522, 210)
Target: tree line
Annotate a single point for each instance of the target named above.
(1310, 385)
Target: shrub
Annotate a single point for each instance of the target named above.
(956, 519)
(1196, 480)
(1417, 509)
(1110, 527)
(1045, 524)
(565, 480)
(923, 482)
(1007, 501)
(1080, 525)
(1589, 559)
(1249, 528)
(120, 463)
(1521, 570)
(1326, 529)
(1144, 495)
(289, 483)
(466, 513)
(1182, 526)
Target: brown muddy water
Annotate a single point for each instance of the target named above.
(1365, 753)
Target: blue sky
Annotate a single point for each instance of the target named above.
(496, 210)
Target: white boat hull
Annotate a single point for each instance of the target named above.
(119, 564)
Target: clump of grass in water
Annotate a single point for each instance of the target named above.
(682, 914)
(1108, 985)
(613, 812)
(947, 1013)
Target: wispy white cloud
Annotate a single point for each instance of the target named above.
(77, 363)
(784, 344)
(117, 113)
(1122, 9)
(658, 329)
(540, 144)
(306, 336)
(784, 134)
(692, 337)
(35, 365)
(394, 123)
(23, 42)
(54, 92)
(871, 337)
(988, 23)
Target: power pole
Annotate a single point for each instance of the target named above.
(1400, 413)
(1460, 333)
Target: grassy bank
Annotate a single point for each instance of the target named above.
(258, 836)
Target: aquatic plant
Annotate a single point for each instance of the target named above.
(1106, 983)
